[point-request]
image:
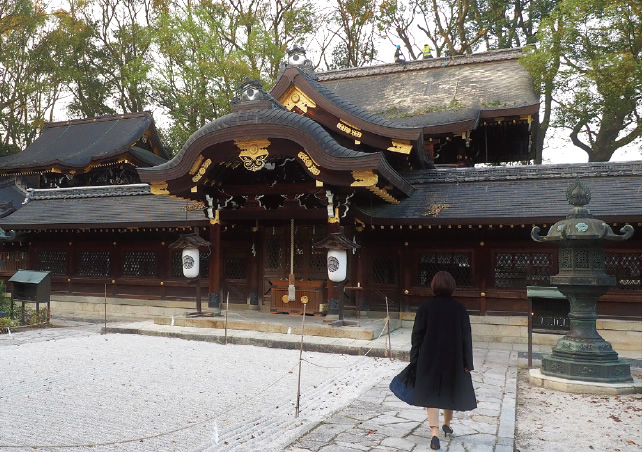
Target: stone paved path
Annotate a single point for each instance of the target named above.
(378, 421)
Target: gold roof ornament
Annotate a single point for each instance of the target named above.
(295, 97)
(401, 146)
(253, 153)
(364, 178)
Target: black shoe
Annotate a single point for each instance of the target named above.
(447, 430)
(435, 443)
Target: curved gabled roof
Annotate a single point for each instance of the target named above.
(77, 144)
(274, 123)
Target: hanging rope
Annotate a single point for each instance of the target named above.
(291, 277)
(292, 246)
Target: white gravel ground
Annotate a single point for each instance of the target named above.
(137, 393)
(554, 421)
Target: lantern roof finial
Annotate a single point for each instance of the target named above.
(578, 194)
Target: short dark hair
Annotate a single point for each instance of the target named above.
(443, 284)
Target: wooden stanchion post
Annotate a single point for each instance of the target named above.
(388, 326)
(227, 306)
(304, 301)
(105, 302)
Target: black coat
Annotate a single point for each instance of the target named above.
(441, 349)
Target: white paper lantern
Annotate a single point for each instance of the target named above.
(190, 261)
(337, 264)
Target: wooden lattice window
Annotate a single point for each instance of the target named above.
(318, 260)
(626, 268)
(13, 260)
(458, 264)
(235, 268)
(177, 264)
(274, 250)
(519, 270)
(140, 264)
(54, 261)
(385, 270)
(93, 263)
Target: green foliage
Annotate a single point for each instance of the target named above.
(206, 48)
(28, 83)
(587, 66)
(5, 302)
(356, 21)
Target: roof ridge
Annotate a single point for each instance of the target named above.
(547, 171)
(96, 119)
(439, 62)
(98, 191)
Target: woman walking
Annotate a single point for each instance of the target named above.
(442, 351)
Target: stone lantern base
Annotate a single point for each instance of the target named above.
(536, 378)
(616, 371)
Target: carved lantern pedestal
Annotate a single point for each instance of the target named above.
(582, 354)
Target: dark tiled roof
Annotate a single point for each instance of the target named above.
(76, 144)
(108, 206)
(438, 91)
(513, 194)
(146, 156)
(345, 105)
(11, 197)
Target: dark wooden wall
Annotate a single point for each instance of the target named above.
(388, 267)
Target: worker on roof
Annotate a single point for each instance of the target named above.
(399, 57)
(426, 52)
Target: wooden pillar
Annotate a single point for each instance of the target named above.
(216, 264)
(407, 276)
(484, 267)
(253, 278)
(360, 280)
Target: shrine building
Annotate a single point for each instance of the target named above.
(417, 163)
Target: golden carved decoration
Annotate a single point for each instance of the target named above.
(253, 153)
(386, 196)
(359, 225)
(202, 170)
(159, 188)
(216, 219)
(309, 163)
(295, 97)
(349, 129)
(334, 218)
(364, 178)
(196, 165)
(401, 146)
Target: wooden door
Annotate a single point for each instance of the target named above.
(236, 267)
